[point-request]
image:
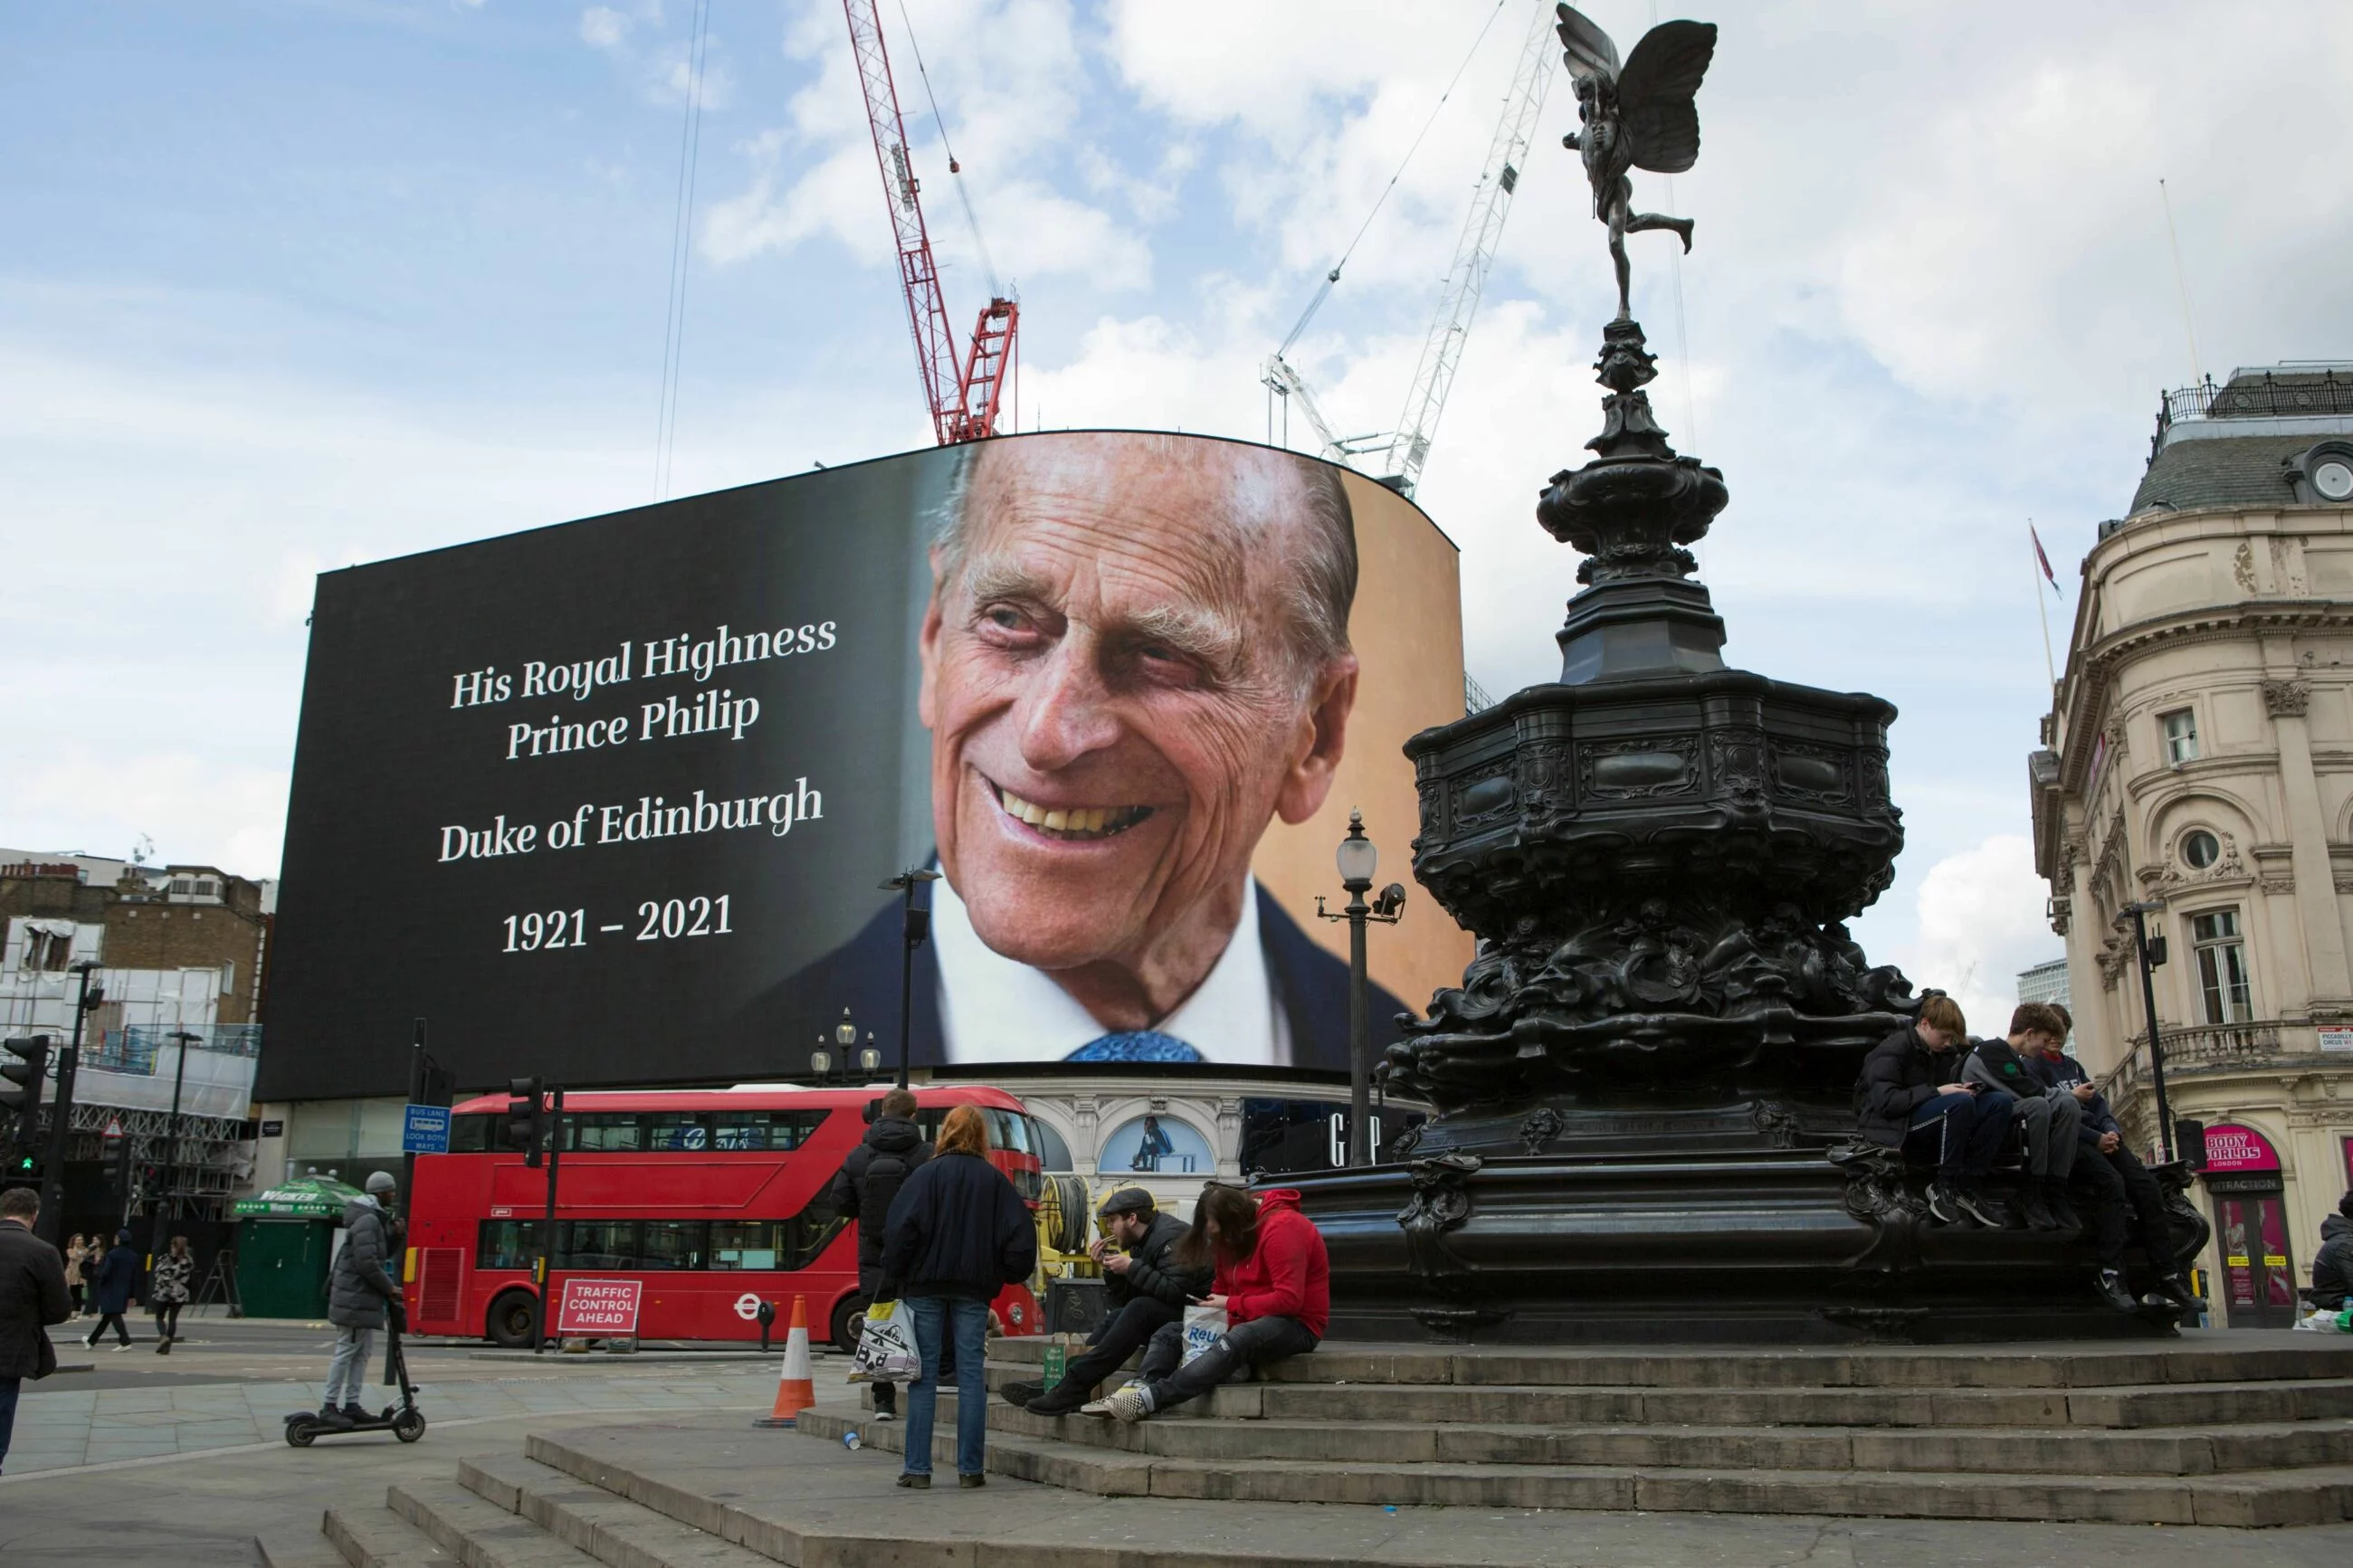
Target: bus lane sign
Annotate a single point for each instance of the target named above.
(599, 1309)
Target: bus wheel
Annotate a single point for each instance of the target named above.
(510, 1321)
(848, 1322)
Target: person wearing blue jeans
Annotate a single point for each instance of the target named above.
(957, 1235)
(935, 1320)
(1909, 1098)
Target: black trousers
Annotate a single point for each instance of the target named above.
(99, 1332)
(167, 1320)
(1115, 1339)
(2117, 1183)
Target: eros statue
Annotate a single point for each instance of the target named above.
(1638, 116)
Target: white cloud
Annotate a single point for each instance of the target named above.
(604, 27)
(1981, 923)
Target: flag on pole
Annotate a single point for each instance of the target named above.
(2041, 560)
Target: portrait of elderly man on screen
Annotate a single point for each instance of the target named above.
(1135, 659)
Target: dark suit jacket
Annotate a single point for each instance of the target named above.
(1311, 987)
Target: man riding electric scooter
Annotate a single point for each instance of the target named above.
(362, 1294)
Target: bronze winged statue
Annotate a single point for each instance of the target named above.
(1639, 116)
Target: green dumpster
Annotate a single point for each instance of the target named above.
(286, 1240)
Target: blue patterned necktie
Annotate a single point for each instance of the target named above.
(1136, 1046)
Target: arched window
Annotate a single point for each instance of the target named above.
(1157, 1144)
(1053, 1153)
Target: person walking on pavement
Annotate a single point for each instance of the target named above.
(110, 1291)
(73, 1273)
(862, 1190)
(32, 1297)
(958, 1234)
(359, 1293)
(167, 1292)
(1146, 1289)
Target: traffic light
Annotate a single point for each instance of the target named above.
(22, 1069)
(526, 1118)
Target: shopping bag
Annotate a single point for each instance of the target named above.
(886, 1350)
(1204, 1327)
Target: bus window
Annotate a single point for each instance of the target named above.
(604, 1131)
(473, 1134)
(598, 1244)
(677, 1130)
(1008, 1131)
(753, 1245)
(775, 1132)
(507, 1243)
(672, 1244)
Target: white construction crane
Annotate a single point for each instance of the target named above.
(1407, 449)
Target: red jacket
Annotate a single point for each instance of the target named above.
(1289, 1275)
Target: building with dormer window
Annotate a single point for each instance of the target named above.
(2198, 761)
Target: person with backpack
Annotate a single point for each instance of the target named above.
(863, 1189)
(958, 1234)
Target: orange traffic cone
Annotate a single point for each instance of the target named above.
(796, 1389)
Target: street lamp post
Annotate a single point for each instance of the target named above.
(2150, 951)
(172, 1164)
(915, 926)
(1359, 859)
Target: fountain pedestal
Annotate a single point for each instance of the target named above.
(1644, 1081)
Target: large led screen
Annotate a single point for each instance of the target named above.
(611, 801)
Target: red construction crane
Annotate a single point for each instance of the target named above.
(964, 392)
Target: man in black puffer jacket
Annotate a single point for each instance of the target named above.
(862, 1190)
(1910, 1098)
(1147, 1288)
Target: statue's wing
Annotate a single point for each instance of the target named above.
(1590, 52)
(1655, 95)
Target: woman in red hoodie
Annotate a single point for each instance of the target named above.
(1274, 1281)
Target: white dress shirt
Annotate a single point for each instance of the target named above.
(996, 1009)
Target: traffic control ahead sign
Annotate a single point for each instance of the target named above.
(599, 1309)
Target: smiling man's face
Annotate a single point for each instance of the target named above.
(1117, 711)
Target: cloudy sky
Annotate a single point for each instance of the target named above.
(293, 286)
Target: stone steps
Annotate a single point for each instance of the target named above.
(2248, 1499)
(1976, 1366)
(2151, 1451)
(2110, 1407)
(606, 1526)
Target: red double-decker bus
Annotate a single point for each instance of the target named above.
(716, 1199)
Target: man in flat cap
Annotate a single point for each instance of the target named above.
(1147, 1288)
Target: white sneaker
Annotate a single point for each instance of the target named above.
(881, 1415)
(1103, 1406)
(120, 1348)
(1130, 1404)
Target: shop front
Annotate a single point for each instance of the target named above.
(2247, 1195)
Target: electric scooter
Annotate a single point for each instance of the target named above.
(403, 1420)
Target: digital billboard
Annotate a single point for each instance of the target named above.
(611, 800)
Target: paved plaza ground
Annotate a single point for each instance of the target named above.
(178, 1460)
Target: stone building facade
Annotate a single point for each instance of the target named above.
(2198, 761)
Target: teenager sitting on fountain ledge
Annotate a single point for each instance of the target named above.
(1274, 1281)
(2049, 1114)
(1909, 1098)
